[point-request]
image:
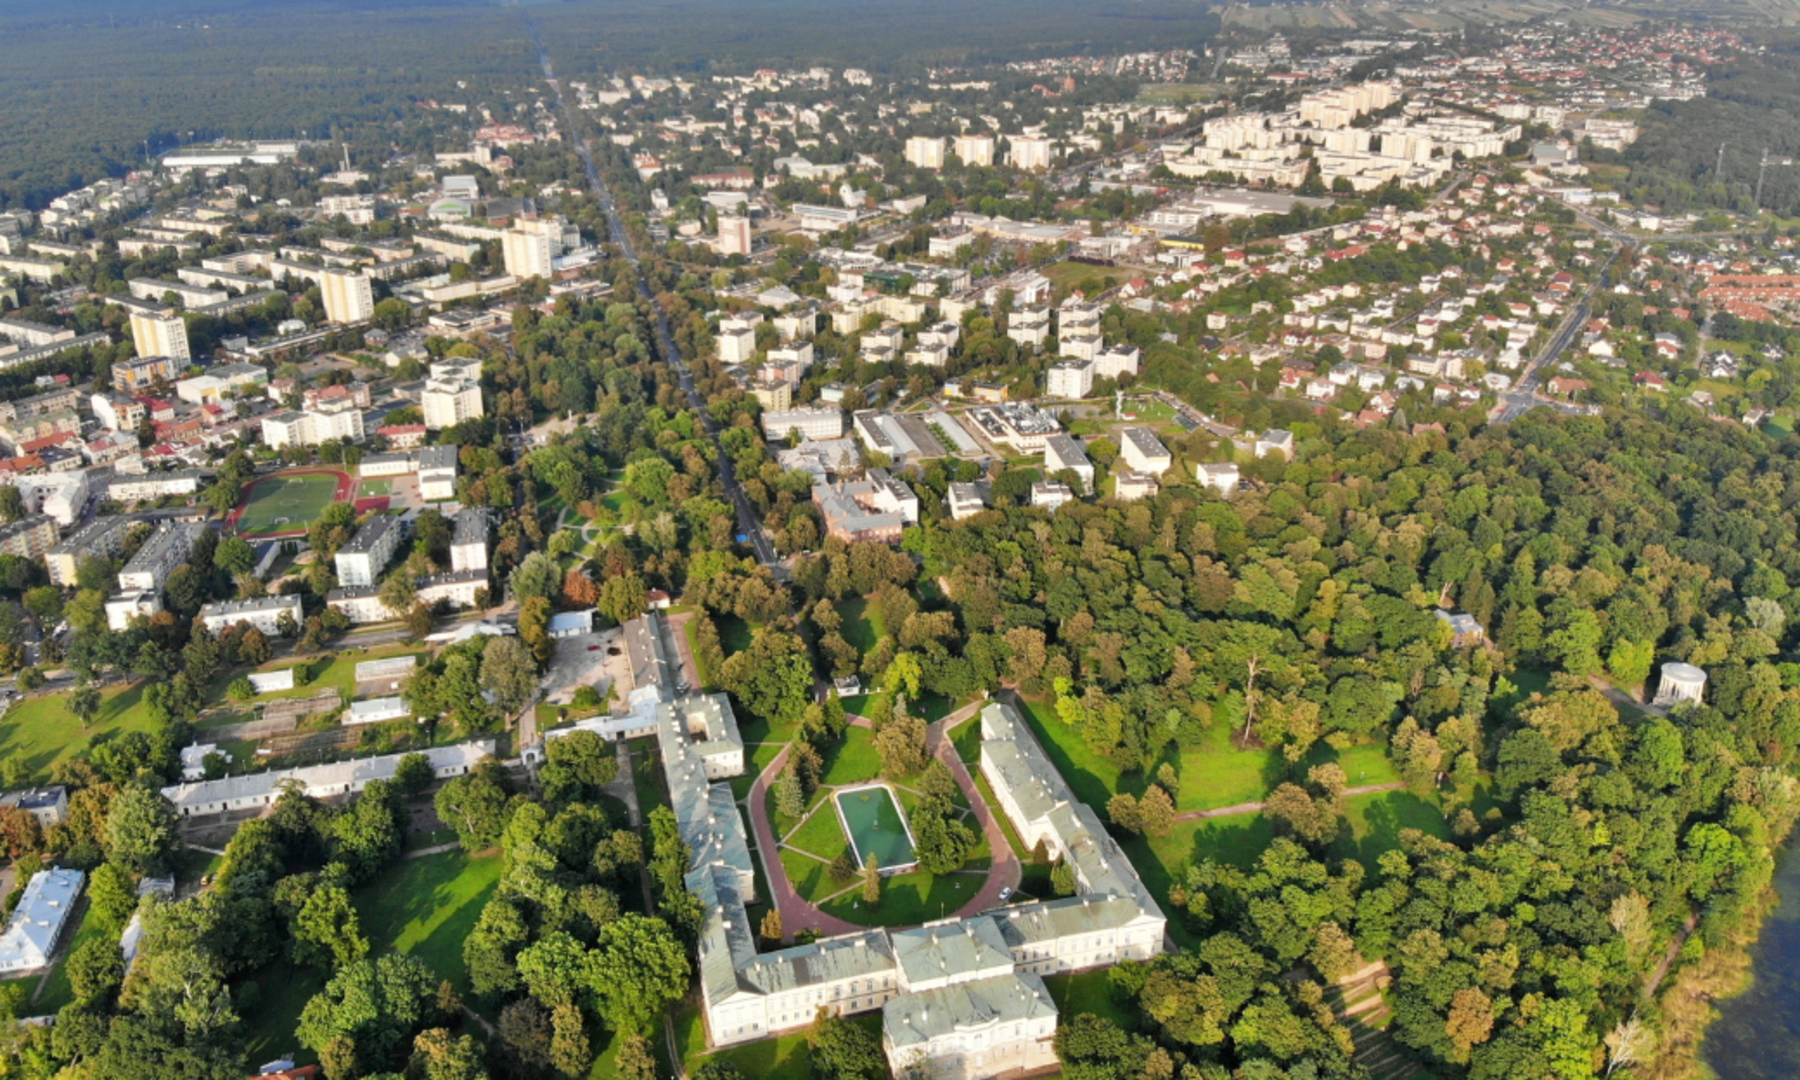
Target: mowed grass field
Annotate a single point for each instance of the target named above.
(425, 906)
(41, 731)
(280, 503)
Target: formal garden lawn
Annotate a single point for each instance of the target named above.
(41, 731)
(908, 899)
(283, 503)
(425, 906)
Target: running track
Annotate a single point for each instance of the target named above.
(346, 489)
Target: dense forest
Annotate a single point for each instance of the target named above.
(99, 88)
(1597, 863)
(1751, 105)
(89, 97)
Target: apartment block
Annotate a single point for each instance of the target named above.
(361, 561)
(349, 298)
(163, 334)
(263, 612)
(437, 473)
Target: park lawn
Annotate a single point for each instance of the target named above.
(57, 991)
(908, 899)
(862, 623)
(283, 502)
(41, 731)
(423, 906)
(1364, 763)
(1092, 776)
(1163, 861)
(1376, 821)
(807, 874)
(1089, 992)
(852, 760)
(967, 741)
(821, 835)
(1217, 774)
(427, 906)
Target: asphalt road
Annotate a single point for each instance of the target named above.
(749, 526)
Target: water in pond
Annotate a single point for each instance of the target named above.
(1757, 1035)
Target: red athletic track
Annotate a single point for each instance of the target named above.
(346, 487)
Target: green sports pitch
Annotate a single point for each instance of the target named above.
(278, 504)
(872, 820)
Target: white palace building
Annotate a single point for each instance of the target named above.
(963, 998)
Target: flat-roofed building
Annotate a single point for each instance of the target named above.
(1220, 476)
(49, 805)
(262, 612)
(925, 153)
(737, 340)
(817, 423)
(361, 561)
(349, 297)
(1143, 451)
(437, 472)
(1069, 379)
(1062, 452)
(101, 538)
(447, 403)
(167, 548)
(469, 540)
(160, 334)
(360, 604)
(460, 589)
(143, 372)
(30, 537)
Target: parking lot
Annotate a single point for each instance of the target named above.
(597, 660)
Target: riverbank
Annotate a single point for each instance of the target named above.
(1732, 1014)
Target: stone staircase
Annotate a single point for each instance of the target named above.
(1358, 1002)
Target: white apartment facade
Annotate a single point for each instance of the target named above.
(349, 297)
(161, 334)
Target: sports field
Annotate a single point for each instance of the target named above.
(288, 502)
(875, 826)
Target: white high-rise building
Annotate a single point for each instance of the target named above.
(734, 235)
(975, 149)
(923, 153)
(1028, 153)
(349, 298)
(528, 254)
(448, 402)
(737, 340)
(1069, 379)
(161, 334)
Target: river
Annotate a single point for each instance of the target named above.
(1757, 1035)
